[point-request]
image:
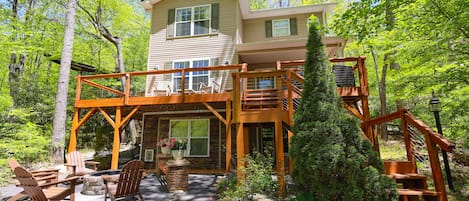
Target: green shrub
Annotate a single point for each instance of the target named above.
(331, 161)
(258, 172)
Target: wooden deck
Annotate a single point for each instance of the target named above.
(255, 97)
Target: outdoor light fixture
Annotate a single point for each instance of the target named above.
(434, 106)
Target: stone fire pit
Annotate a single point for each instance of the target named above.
(93, 184)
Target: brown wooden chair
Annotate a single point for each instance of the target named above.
(77, 165)
(41, 176)
(39, 192)
(128, 183)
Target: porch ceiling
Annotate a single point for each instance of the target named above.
(284, 50)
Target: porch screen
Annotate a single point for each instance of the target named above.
(196, 131)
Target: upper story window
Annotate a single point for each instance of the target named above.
(280, 27)
(193, 21)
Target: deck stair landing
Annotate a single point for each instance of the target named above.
(411, 186)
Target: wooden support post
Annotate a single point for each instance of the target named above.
(240, 151)
(127, 89)
(78, 90)
(408, 145)
(236, 97)
(72, 145)
(436, 168)
(290, 159)
(246, 140)
(290, 96)
(279, 157)
(183, 84)
(280, 91)
(116, 141)
(228, 135)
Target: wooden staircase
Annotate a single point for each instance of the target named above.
(411, 186)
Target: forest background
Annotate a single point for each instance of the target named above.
(414, 49)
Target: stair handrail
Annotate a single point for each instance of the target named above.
(432, 139)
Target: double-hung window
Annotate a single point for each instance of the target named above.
(192, 21)
(197, 133)
(280, 27)
(192, 79)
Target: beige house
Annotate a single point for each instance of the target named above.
(193, 34)
(190, 34)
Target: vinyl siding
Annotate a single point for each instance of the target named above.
(163, 50)
(254, 30)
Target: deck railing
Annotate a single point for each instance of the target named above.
(410, 125)
(109, 86)
(264, 90)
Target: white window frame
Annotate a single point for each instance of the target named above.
(189, 75)
(274, 28)
(188, 136)
(192, 20)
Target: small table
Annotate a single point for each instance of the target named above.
(177, 175)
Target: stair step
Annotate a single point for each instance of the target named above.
(261, 99)
(410, 180)
(415, 194)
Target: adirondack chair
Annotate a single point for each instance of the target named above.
(39, 192)
(42, 176)
(214, 86)
(128, 183)
(77, 164)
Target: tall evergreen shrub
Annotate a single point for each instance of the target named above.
(331, 160)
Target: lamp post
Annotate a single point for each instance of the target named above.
(435, 108)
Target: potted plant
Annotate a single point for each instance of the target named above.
(178, 148)
(165, 145)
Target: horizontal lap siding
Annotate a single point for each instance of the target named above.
(254, 29)
(163, 50)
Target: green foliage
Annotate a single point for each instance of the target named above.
(331, 159)
(431, 50)
(258, 180)
(22, 138)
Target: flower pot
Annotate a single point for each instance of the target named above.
(165, 150)
(178, 154)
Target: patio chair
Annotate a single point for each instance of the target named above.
(77, 165)
(214, 86)
(128, 183)
(46, 191)
(42, 176)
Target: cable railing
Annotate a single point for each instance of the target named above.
(419, 138)
(171, 86)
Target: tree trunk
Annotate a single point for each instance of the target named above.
(382, 99)
(382, 128)
(15, 75)
(60, 115)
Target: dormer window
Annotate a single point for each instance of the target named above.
(193, 21)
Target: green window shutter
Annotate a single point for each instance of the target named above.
(293, 27)
(170, 27)
(167, 66)
(215, 17)
(268, 28)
